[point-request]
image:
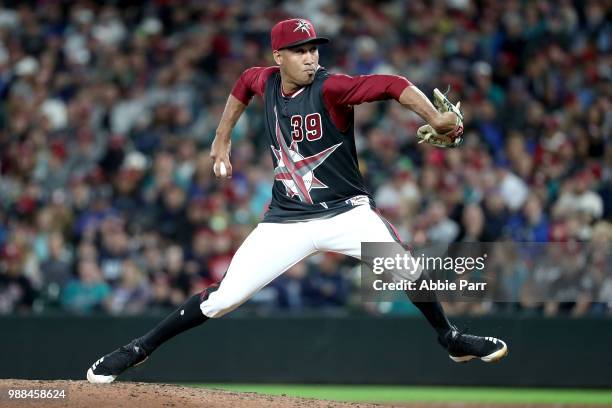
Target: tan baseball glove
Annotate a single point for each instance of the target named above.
(453, 138)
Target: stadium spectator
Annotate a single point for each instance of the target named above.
(325, 285)
(87, 293)
(531, 225)
(132, 294)
(16, 291)
(56, 269)
(290, 288)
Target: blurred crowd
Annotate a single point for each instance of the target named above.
(108, 109)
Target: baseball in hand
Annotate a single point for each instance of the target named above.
(222, 169)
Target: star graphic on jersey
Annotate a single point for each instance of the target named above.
(303, 26)
(295, 171)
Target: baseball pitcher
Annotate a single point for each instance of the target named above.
(319, 200)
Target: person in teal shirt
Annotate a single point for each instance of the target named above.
(87, 293)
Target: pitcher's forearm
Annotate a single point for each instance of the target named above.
(232, 112)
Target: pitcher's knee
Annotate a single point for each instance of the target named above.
(219, 303)
(212, 312)
(215, 309)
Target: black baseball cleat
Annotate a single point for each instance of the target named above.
(465, 347)
(107, 368)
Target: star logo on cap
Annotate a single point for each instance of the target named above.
(303, 26)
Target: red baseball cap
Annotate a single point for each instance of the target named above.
(293, 32)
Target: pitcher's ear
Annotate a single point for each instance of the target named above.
(278, 57)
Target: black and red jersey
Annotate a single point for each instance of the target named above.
(311, 137)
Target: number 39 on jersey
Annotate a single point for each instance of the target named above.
(309, 125)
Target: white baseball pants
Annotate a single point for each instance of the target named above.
(273, 248)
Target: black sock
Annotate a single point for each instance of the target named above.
(186, 317)
(434, 314)
(427, 302)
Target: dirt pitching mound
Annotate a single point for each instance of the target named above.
(82, 394)
(147, 395)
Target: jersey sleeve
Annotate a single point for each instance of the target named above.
(252, 82)
(345, 90)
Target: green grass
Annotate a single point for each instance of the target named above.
(390, 393)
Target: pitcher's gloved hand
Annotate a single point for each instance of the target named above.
(451, 138)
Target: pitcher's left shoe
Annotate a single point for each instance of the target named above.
(109, 367)
(465, 347)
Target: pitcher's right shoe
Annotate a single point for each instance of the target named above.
(465, 347)
(107, 368)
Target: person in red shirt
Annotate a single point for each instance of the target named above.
(319, 200)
